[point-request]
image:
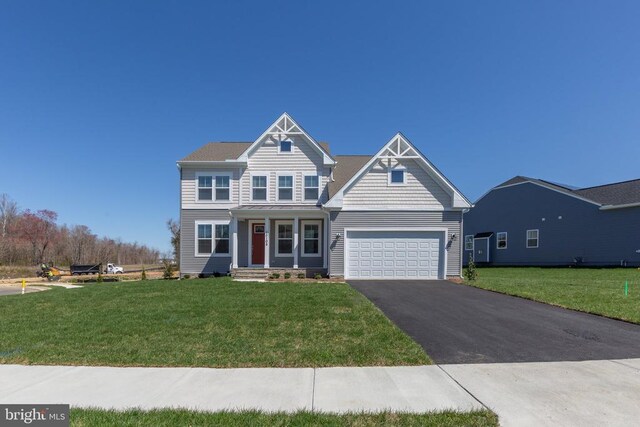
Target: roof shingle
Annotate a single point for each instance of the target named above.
(614, 194)
(223, 150)
(619, 193)
(346, 168)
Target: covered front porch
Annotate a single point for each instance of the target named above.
(279, 237)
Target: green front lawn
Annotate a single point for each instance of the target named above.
(598, 291)
(202, 322)
(172, 417)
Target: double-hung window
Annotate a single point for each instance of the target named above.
(284, 237)
(468, 242)
(222, 187)
(204, 239)
(285, 187)
(212, 239)
(205, 187)
(533, 238)
(222, 239)
(311, 187)
(501, 240)
(214, 187)
(259, 187)
(311, 242)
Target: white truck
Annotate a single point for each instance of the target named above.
(113, 269)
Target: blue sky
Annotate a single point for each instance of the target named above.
(99, 99)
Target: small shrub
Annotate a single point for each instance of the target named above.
(287, 275)
(471, 273)
(318, 276)
(301, 276)
(186, 276)
(167, 269)
(275, 275)
(143, 276)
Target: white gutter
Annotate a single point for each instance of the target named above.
(627, 205)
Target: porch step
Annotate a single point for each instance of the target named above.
(250, 273)
(264, 273)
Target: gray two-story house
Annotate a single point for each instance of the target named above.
(284, 202)
(528, 221)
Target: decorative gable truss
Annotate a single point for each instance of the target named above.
(392, 153)
(282, 129)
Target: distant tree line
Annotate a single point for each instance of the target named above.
(32, 237)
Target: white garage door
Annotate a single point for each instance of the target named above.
(394, 255)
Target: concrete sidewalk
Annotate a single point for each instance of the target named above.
(522, 394)
(408, 389)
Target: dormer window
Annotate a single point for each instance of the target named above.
(397, 176)
(286, 146)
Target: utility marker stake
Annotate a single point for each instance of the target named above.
(24, 285)
(626, 288)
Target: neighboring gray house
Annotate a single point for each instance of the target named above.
(527, 221)
(284, 202)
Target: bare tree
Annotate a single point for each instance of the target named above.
(174, 229)
(34, 236)
(8, 213)
(80, 239)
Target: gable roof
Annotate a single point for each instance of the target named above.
(346, 167)
(286, 126)
(223, 151)
(618, 194)
(400, 147)
(217, 152)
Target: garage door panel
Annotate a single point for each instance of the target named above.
(400, 254)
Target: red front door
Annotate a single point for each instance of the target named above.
(257, 244)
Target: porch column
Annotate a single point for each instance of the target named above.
(267, 237)
(295, 242)
(325, 228)
(234, 254)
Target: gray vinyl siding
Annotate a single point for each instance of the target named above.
(599, 237)
(243, 243)
(188, 188)
(419, 191)
(189, 263)
(452, 220)
(304, 160)
(272, 179)
(275, 261)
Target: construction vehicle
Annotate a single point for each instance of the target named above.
(77, 269)
(49, 272)
(113, 269)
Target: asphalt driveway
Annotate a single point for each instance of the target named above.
(461, 324)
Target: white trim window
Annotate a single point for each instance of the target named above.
(533, 238)
(285, 187)
(285, 146)
(501, 240)
(468, 242)
(213, 187)
(259, 187)
(205, 187)
(311, 187)
(398, 175)
(223, 187)
(212, 238)
(311, 241)
(284, 238)
(221, 240)
(204, 243)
